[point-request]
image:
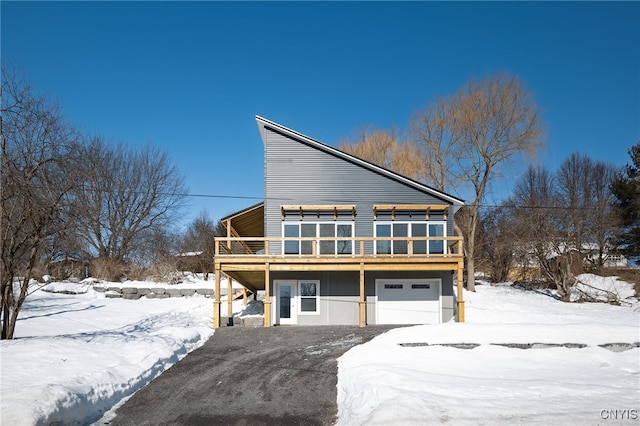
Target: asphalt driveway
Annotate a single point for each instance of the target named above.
(251, 376)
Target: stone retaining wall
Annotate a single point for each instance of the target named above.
(134, 293)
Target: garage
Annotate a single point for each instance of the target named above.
(412, 301)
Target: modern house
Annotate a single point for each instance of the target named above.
(339, 240)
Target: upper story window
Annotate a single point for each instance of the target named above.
(318, 229)
(409, 228)
(318, 237)
(416, 234)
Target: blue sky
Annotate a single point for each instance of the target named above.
(189, 77)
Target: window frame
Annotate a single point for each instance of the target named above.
(319, 246)
(300, 297)
(409, 228)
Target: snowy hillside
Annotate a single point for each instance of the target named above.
(77, 355)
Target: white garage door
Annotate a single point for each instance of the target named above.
(408, 301)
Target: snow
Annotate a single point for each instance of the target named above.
(413, 376)
(78, 355)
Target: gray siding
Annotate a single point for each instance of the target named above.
(339, 294)
(297, 173)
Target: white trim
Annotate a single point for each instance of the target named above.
(275, 309)
(262, 122)
(409, 223)
(336, 223)
(317, 297)
(436, 281)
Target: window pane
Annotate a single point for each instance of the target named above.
(420, 286)
(327, 230)
(419, 230)
(400, 230)
(291, 247)
(393, 286)
(436, 230)
(291, 230)
(308, 304)
(308, 289)
(307, 230)
(285, 301)
(344, 231)
(383, 247)
(344, 246)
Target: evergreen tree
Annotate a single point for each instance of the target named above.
(626, 189)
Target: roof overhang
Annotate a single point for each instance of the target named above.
(246, 223)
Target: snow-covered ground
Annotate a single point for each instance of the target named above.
(414, 376)
(76, 356)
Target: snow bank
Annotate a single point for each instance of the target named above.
(76, 355)
(382, 382)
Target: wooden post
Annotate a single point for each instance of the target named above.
(267, 297)
(362, 305)
(244, 297)
(229, 298)
(460, 303)
(216, 298)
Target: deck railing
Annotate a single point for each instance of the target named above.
(339, 246)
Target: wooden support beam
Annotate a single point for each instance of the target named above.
(362, 305)
(216, 298)
(414, 207)
(267, 297)
(229, 297)
(460, 300)
(317, 207)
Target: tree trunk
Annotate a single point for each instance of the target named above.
(471, 274)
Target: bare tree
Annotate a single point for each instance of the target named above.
(475, 132)
(37, 148)
(200, 238)
(574, 185)
(544, 228)
(440, 149)
(584, 185)
(386, 149)
(129, 195)
(603, 221)
(499, 240)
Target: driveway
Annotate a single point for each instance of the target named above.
(251, 376)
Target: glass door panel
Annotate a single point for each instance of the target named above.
(344, 246)
(383, 247)
(285, 310)
(436, 230)
(307, 230)
(400, 230)
(329, 246)
(291, 247)
(419, 230)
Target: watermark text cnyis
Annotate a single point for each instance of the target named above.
(619, 414)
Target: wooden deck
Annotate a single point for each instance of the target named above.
(249, 260)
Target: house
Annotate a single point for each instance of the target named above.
(339, 240)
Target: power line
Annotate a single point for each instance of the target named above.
(327, 200)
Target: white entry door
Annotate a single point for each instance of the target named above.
(285, 306)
